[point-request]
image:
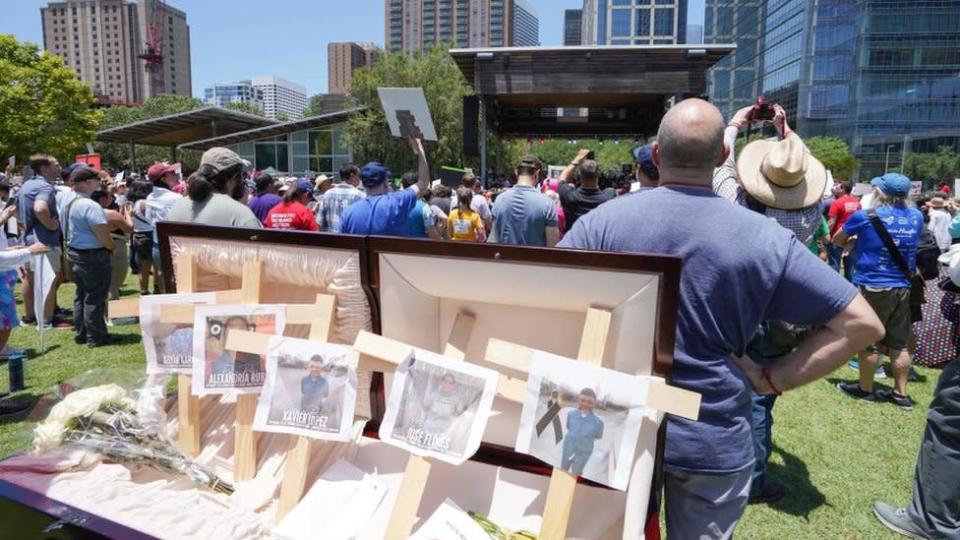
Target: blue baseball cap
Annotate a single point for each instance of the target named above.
(643, 155)
(304, 186)
(892, 184)
(373, 174)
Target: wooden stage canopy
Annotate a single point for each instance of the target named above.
(603, 91)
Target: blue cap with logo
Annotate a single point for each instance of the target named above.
(374, 173)
(892, 184)
(643, 155)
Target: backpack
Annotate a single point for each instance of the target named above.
(927, 254)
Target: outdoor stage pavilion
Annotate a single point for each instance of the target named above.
(611, 92)
(582, 92)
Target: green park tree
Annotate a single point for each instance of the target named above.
(43, 107)
(609, 154)
(118, 155)
(942, 166)
(834, 154)
(246, 107)
(444, 88)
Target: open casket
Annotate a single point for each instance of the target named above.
(410, 291)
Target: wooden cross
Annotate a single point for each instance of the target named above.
(556, 513)
(188, 408)
(384, 355)
(245, 442)
(298, 452)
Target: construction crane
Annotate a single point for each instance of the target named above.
(152, 55)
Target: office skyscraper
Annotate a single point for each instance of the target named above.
(735, 81)
(223, 94)
(572, 22)
(884, 76)
(634, 22)
(281, 96)
(526, 25)
(101, 40)
(412, 25)
(342, 60)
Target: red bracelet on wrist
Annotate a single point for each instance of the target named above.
(766, 376)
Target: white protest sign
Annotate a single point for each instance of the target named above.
(43, 278)
(407, 113)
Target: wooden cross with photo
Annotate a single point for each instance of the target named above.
(298, 453)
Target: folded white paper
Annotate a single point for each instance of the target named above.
(338, 506)
(449, 521)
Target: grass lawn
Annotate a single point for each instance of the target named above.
(835, 456)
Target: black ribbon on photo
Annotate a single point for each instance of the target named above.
(551, 416)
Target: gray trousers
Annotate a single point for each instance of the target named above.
(704, 506)
(936, 487)
(91, 273)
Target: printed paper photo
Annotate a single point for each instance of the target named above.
(311, 389)
(169, 347)
(217, 370)
(582, 418)
(438, 407)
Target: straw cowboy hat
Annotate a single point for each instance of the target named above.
(782, 174)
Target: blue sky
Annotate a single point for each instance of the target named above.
(242, 38)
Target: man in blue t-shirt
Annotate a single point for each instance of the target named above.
(726, 290)
(522, 215)
(383, 212)
(38, 216)
(884, 283)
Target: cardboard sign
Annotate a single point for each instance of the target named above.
(407, 113)
(582, 418)
(311, 389)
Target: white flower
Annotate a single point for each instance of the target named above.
(46, 437)
(78, 404)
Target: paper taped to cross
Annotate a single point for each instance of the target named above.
(407, 113)
(217, 370)
(438, 407)
(169, 346)
(310, 390)
(582, 418)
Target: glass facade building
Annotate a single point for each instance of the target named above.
(526, 25)
(321, 150)
(223, 94)
(572, 21)
(884, 75)
(634, 22)
(736, 80)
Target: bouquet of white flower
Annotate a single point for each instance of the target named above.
(103, 419)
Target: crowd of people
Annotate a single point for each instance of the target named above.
(786, 276)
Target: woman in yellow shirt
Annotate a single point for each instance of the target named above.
(465, 225)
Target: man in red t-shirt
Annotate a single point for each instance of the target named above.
(292, 212)
(840, 211)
